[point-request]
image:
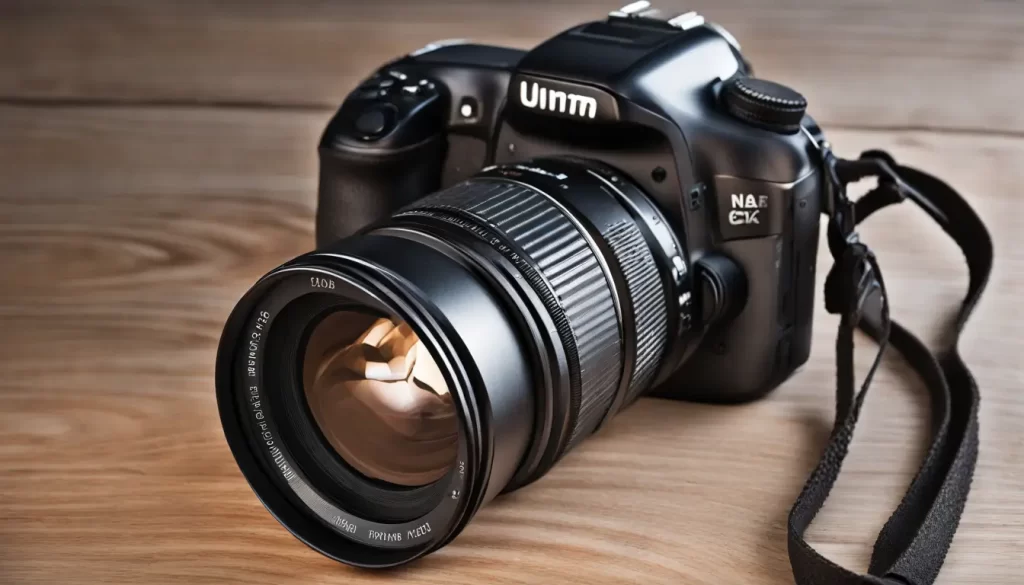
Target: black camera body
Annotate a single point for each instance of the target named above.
(514, 246)
(731, 162)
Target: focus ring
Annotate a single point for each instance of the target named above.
(534, 223)
(647, 299)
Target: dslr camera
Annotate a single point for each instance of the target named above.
(512, 247)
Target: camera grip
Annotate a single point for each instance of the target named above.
(748, 355)
(357, 189)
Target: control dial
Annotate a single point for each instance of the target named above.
(764, 104)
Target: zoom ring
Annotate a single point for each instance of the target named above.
(647, 299)
(535, 224)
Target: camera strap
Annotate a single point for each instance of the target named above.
(913, 543)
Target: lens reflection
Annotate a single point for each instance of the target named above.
(379, 398)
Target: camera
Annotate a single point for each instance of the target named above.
(511, 247)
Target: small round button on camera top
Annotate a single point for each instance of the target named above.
(377, 82)
(374, 88)
(421, 88)
(764, 104)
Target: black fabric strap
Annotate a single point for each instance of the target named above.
(913, 543)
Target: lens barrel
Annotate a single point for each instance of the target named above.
(549, 295)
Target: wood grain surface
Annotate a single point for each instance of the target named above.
(137, 204)
(925, 63)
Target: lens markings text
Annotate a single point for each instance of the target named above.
(385, 536)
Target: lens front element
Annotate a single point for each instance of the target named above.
(379, 398)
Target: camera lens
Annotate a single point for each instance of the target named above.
(379, 398)
(377, 392)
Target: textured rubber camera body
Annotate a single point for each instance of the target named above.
(727, 158)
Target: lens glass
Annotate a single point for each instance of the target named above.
(379, 398)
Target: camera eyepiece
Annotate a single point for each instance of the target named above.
(377, 392)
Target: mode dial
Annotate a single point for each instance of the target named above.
(764, 104)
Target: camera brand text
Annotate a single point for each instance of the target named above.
(746, 208)
(535, 96)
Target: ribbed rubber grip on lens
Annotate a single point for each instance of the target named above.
(648, 301)
(561, 253)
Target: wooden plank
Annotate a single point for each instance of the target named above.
(127, 235)
(920, 64)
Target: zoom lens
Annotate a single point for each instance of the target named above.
(377, 393)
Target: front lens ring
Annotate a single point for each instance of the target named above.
(270, 467)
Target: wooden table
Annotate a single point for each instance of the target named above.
(157, 157)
